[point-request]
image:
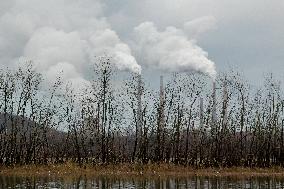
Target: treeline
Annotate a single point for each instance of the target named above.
(186, 121)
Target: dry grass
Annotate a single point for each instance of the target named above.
(136, 170)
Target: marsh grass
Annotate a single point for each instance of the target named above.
(136, 170)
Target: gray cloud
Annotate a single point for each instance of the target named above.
(65, 34)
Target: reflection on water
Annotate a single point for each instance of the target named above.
(160, 183)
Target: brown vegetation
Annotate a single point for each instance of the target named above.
(71, 170)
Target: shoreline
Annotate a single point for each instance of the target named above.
(136, 170)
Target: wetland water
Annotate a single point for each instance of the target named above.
(135, 183)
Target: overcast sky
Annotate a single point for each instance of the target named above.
(160, 35)
(249, 35)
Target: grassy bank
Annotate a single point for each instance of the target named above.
(133, 170)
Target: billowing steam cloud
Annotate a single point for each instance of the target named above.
(108, 42)
(171, 50)
(60, 35)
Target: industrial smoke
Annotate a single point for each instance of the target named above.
(171, 50)
(64, 36)
(59, 35)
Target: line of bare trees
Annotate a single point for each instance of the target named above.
(185, 122)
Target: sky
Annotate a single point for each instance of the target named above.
(144, 36)
(247, 36)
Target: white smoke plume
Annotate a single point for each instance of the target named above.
(60, 35)
(171, 50)
(65, 36)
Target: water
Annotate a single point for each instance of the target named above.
(141, 182)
